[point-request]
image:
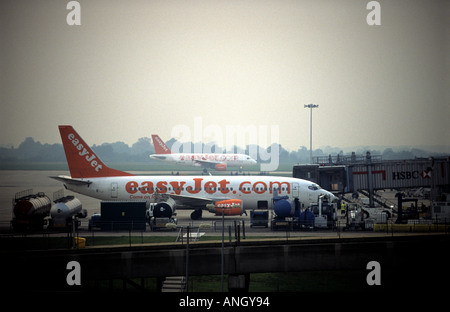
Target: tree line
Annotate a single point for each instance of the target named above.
(34, 151)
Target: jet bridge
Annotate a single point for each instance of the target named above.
(353, 174)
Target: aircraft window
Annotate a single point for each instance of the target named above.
(314, 187)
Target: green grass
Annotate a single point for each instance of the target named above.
(127, 166)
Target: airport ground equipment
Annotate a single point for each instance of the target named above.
(159, 219)
(30, 210)
(411, 212)
(357, 218)
(284, 210)
(162, 223)
(65, 213)
(324, 212)
(95, 221)
(259, 218)
(123, 216)
(440, 209)
(288, 215)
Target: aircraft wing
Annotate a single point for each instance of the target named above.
(209, 162)
(70, 180)
(185, 201)
(213, 164)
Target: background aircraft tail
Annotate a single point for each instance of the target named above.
(82, 161)
(160, 146)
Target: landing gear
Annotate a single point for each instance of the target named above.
(196, 214)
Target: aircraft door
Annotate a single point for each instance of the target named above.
(295, 190)
(114, 190)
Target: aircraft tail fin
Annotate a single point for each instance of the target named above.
(82, 161)
(160, 146)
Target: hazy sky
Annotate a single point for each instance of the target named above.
(133, 68)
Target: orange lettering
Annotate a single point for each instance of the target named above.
(197, 186)
(263, 189)
(131, 187)
(223, 186)
(177, 186)
(161, 187)
(146, 187)
(279, 186)
(241, 187)
(210, 187)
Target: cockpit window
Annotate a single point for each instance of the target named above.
(314, 187)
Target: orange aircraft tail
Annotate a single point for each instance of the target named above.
(82, 161)
(160, 146)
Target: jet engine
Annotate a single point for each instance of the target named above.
(164, 209)
(221, 167)
(230, 207)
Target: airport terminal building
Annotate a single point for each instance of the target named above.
(350, 174)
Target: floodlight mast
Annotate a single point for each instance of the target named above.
(310, 106)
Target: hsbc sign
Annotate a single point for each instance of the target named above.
(410, 175)
(399, 174)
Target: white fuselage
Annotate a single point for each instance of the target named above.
(198, 159)
(254, 191)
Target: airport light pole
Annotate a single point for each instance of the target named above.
(310, 106)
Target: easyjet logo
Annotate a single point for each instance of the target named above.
(212, 157)
(210, 187)
(229, 203)
(84, 153)
(161, 143)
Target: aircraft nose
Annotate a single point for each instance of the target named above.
(333, 198)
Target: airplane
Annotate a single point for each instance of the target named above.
(219, 162)
(228, 195)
